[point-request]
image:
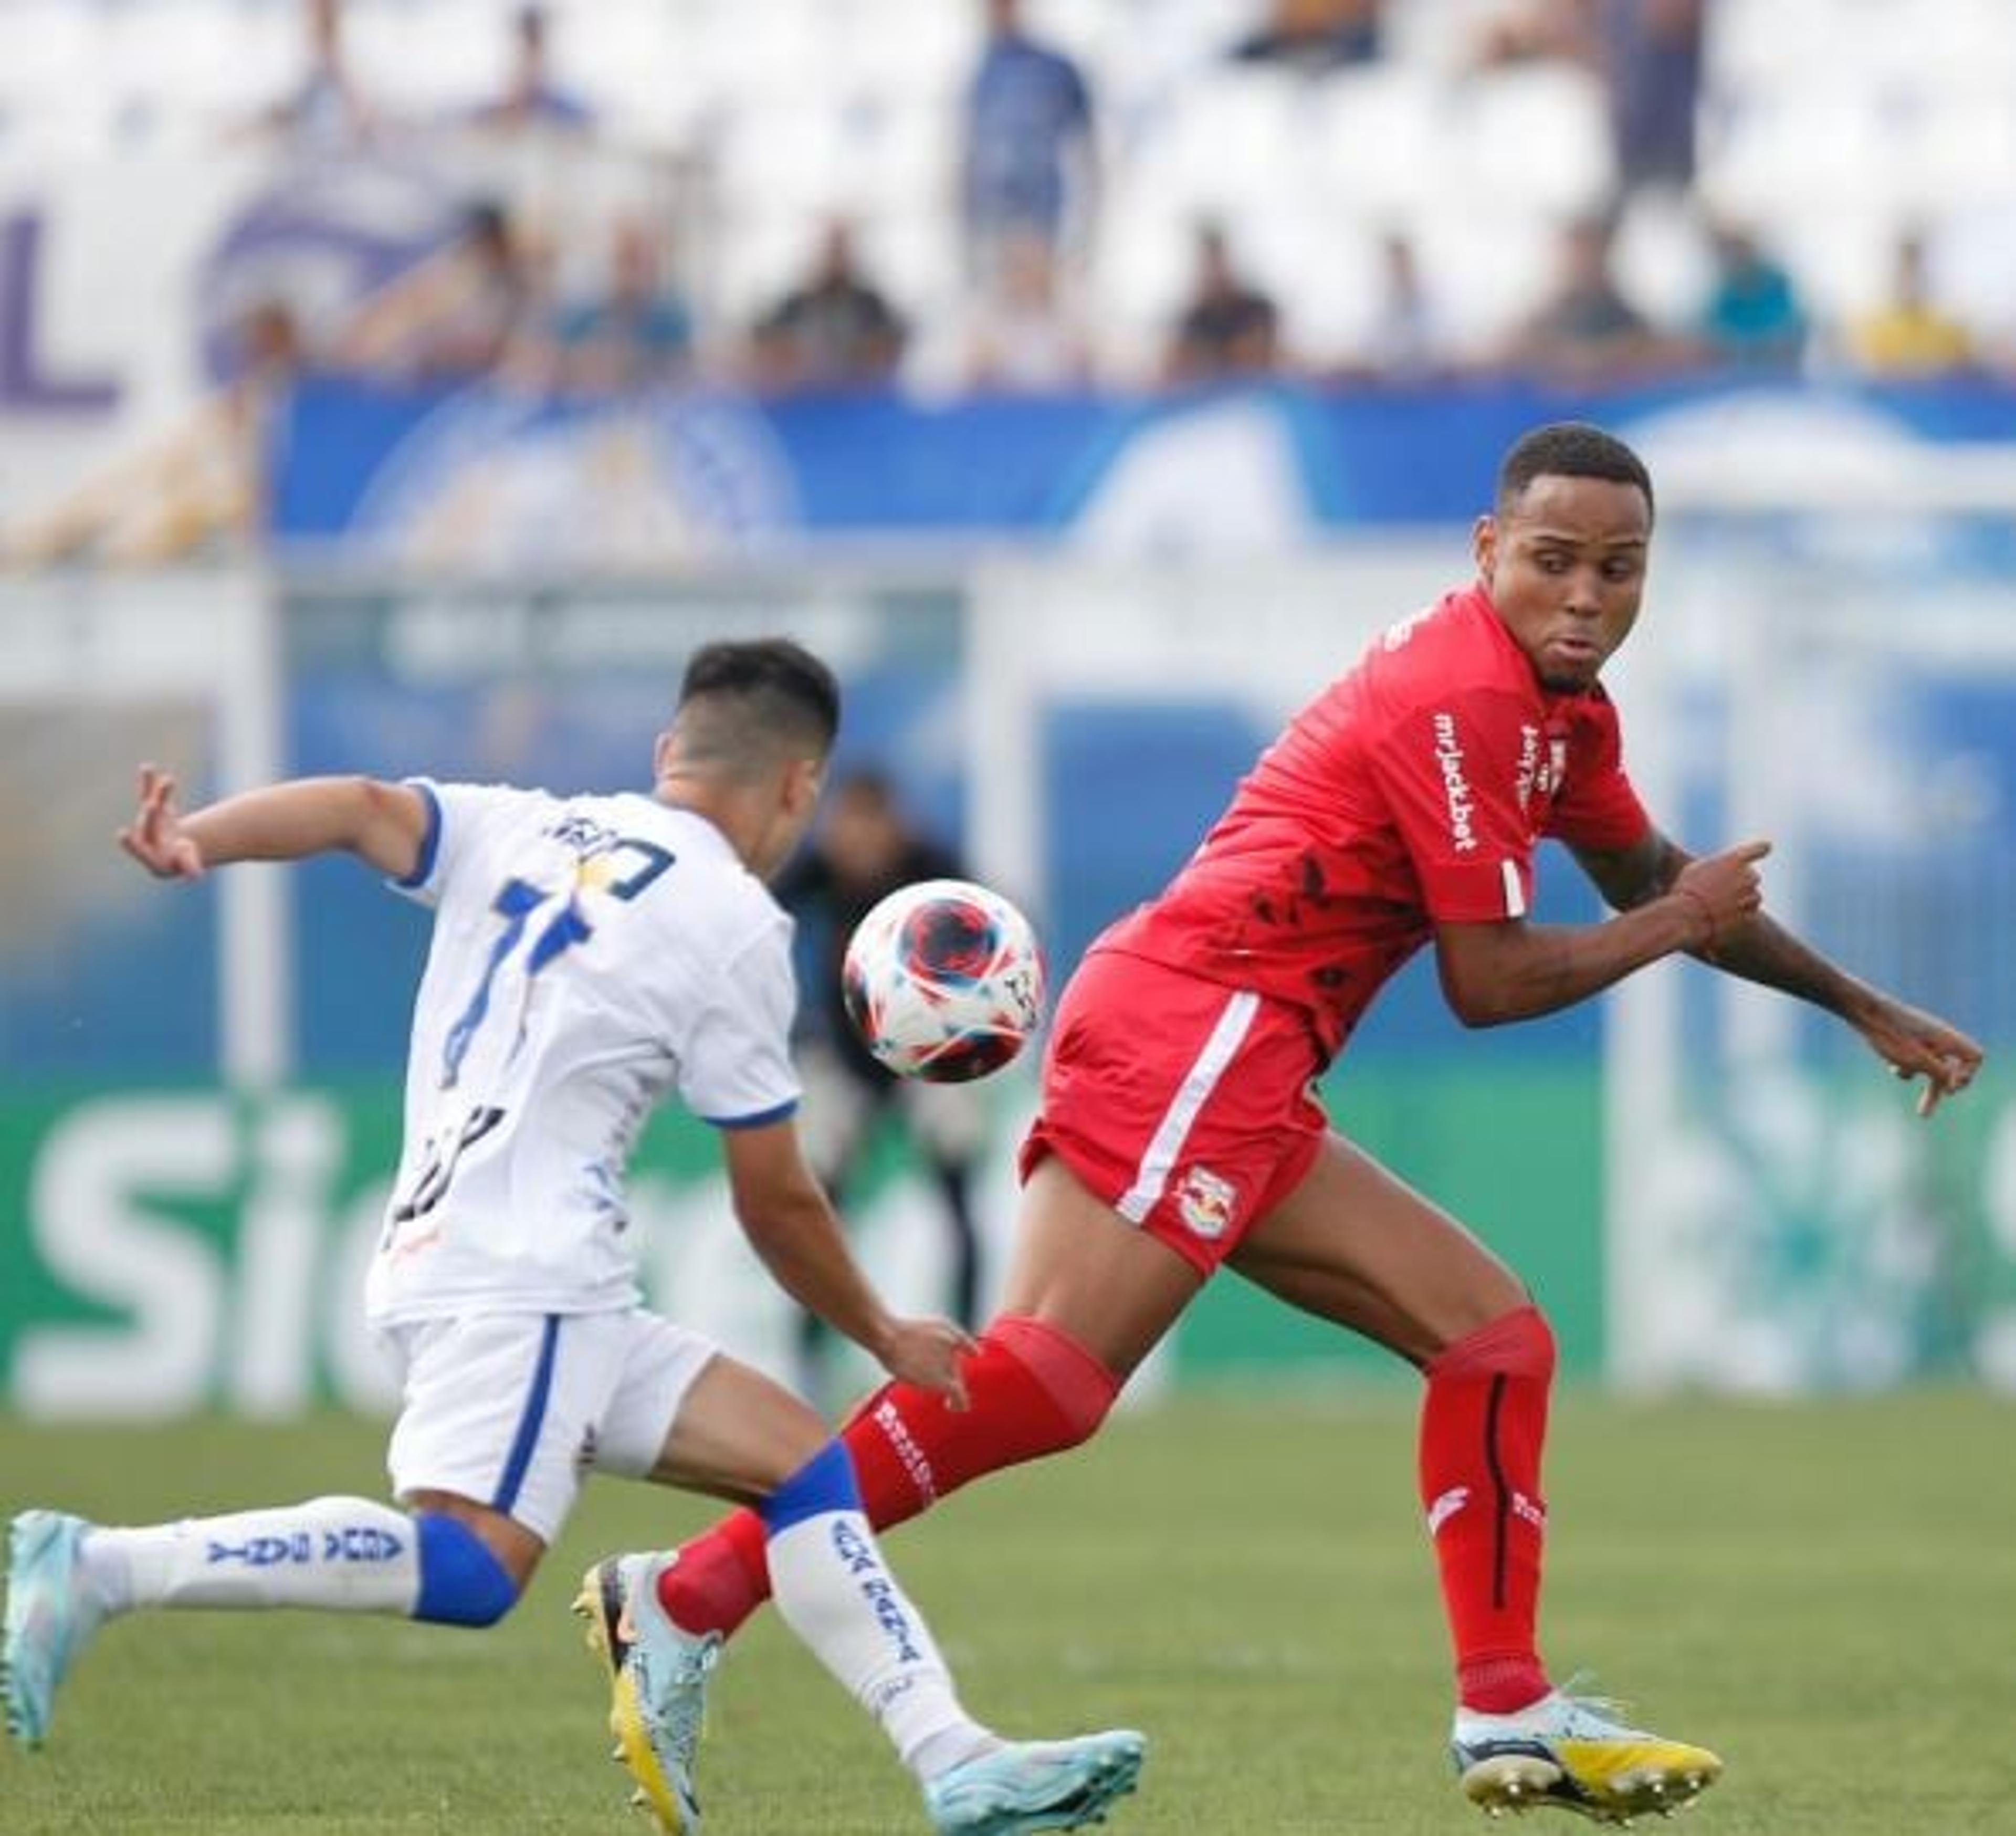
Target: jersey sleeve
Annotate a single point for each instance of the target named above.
(1597, 805)
(456, 815)
(734, 1061)
(1451, 772)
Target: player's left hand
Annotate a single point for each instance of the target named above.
(926, 1352)
(1918, 1044)
(156, 837)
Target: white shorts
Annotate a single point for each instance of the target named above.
(511, 1409)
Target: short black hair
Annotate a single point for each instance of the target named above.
(1569, 449)
(744, 704)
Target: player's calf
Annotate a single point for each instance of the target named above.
(67, 1577)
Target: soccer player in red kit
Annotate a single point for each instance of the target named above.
(1179, 1129)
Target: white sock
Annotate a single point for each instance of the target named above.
(830, 1583)
(345, 1554)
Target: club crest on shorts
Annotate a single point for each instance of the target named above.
(1204, 1203)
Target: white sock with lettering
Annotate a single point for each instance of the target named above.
(835, 1592)
(346, 1554)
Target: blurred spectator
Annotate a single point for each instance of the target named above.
(1652, 56)
(1409, 337)
(865, 848)
(1024, 334)
(457, 313)
(530, 99)
(1585, 330)
(1029, 163)
(1314, 37)
(1228, 328)
(1910, 336)
(200, 490)
(1518, 31)
(638, 333)
(326, 112)
(1649, 55)
(1752, 314)
(836, 330)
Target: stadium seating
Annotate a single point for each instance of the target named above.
(1827, 125)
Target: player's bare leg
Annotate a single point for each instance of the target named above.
(1084, 1271)
(1354, 1244)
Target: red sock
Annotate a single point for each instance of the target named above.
(1033, 1392)
(1483, 1425)
(721, 1577)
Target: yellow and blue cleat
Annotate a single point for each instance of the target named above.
(658, 1676)
(1574, 1753)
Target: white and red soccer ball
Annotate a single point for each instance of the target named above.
(944, 980)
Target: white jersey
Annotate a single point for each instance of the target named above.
(588, 954)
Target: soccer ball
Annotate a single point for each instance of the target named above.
(943, 982)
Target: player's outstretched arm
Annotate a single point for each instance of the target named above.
(791, 1224)
(1508, 969)
(1912, 1043)
(383, 824)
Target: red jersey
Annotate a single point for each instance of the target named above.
(1411, 791)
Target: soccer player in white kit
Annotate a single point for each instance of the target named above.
(589, 954)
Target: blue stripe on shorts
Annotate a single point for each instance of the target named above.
(530, 1422)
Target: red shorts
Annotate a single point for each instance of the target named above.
(1187, 1106)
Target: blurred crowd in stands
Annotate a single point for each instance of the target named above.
(535, 288)
(1028, 191)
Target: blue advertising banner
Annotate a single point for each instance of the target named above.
(484, 476)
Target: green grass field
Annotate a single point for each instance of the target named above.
(1827, 1594)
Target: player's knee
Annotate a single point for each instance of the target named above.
(462, 1581)
(1080, 1388)
(1519, 1344)
(1531, 1351)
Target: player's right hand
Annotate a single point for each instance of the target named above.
(1721, 891)
(926, 1352)
(155, 837)
(1916, 1044)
